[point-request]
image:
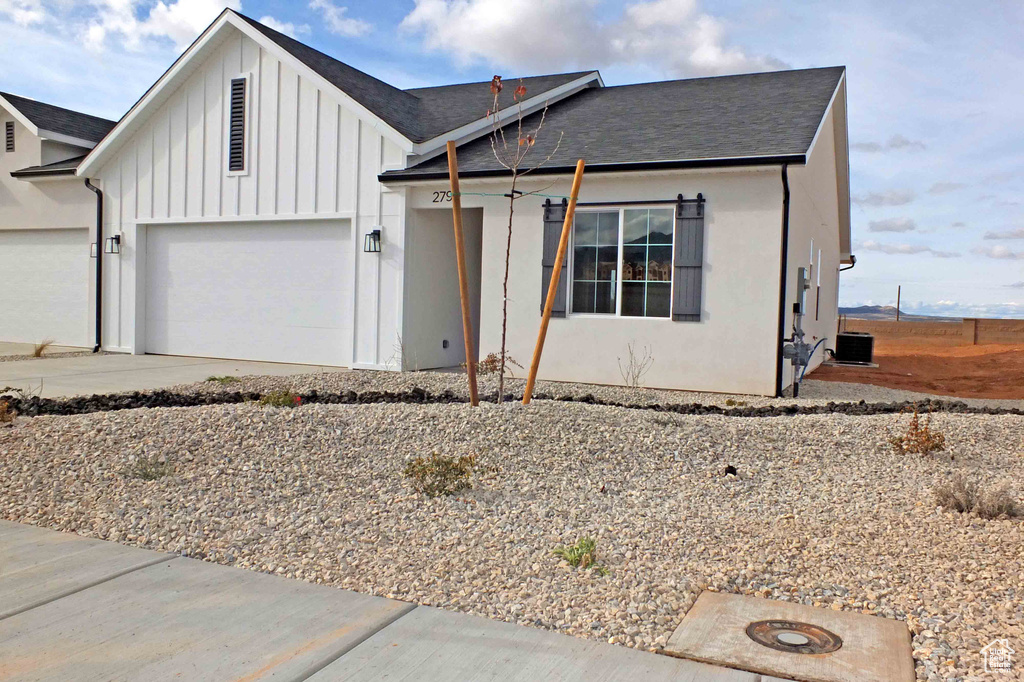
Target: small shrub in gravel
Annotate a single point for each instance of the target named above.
(492, 364)
(226, 379)
(40, 348)
(280, 399)
(583, 554)
(148, 469)
(7, 413)
(439, 474)
(963, 496)
(919, 439)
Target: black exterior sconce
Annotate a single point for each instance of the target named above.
(112, 244)
(371, 242)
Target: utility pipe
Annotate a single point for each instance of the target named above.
(99, 263)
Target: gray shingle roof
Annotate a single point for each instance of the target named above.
(419, 114)
(701, 120)
(65, 167)
(60, 120)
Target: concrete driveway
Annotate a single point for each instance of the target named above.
(79, 609)
(88, 374)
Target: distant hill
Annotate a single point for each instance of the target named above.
(888, 312)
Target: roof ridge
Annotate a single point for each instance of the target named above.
(510, 78)
(726, 75)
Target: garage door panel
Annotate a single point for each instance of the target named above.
(273, 291)
(46, 286)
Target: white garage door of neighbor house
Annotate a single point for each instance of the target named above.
(275, 291)
(45, 286)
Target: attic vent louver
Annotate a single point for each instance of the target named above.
(9, 135)
(236, 132)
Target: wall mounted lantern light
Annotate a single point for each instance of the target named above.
(371, 242)
(112, 244)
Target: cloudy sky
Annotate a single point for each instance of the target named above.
(936, 94)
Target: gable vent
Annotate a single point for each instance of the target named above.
(9, 136)
(236, 133)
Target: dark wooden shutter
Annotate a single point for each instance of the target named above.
(554, 217)
(9, 136)
(689, 259)
(236, 130)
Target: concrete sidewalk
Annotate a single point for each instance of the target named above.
(75, 609)
(113, 373)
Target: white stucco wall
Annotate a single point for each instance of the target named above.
(310, 157)
(433, 309)
(732, 348)
(814, 224)
(44, 203)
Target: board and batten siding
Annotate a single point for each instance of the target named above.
(308, 156)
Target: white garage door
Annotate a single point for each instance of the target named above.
(45, 275)
(276, 292)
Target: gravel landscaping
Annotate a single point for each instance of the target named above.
(822, 510)
(48, 356)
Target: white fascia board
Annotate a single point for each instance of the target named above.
(483, 125)
(66, 139)
(97, 156)
(169, 80)
(288, 58)
(18, 116)
(824, 116)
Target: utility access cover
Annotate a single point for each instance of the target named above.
(793, 640)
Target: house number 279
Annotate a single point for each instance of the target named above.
(440, 197)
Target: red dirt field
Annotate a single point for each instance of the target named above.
(988, 371)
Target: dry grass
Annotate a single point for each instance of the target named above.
(965, 496)
(492, 364)
(439, 474)
(281, 399)
(919, 438)
(148, 469)
(7, 414)
(40, 348)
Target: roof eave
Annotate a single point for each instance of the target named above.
(393, 177)
(34, 174)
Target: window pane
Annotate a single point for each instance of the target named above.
(633, 299)
(608, 229)
(661, 225)
(605, 302)
(607, 258)
(659, 296)
(634, 231)
(583, 262)
(634, 263)
(585, 229)
(659, 264)
(583, 297)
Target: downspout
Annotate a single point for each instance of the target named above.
(783, 272)
(99, 263)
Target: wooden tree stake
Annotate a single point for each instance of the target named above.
(556, 274)
(460, 257)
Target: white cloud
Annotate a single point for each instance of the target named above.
(896, 142)
(903, 249)
(893, 225)
(1015, 285)
(999, 252)
(945, 187)
(180, 21)
(1007, 234)
(671, 35)
(336, 20)
(892, 197)
(285, 27)
(23, 12)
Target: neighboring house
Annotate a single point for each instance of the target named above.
(248, 184)
(45, 216)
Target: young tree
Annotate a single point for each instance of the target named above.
(513, 154)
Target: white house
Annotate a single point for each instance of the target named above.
(245, 186)
(45, 216)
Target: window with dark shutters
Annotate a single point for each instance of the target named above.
(554, 217)
(689, 259)
(9, 136)
(236, 129)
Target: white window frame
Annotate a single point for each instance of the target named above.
(246, 126)
(571, 256)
